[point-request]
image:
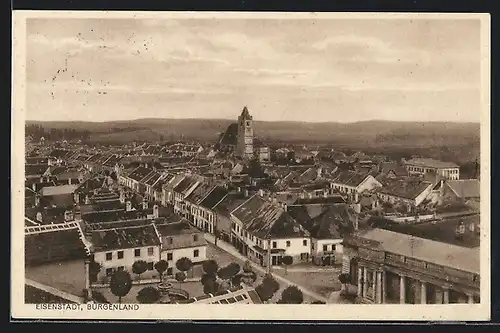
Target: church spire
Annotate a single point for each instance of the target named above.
(245, 114)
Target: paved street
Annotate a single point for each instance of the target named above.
(231, 250)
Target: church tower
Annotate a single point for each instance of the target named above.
(244, 146)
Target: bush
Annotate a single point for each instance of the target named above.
(148, 295)
(267, 288)
(292, 295)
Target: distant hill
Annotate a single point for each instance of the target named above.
(371, 135)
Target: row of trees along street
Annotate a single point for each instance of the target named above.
(120, 283)
(214, 279)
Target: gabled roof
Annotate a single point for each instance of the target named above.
(265, 219)
(408, 188)
(465, 188)
(186, 184)
(35, 170)
(333, 223)
(216, 194)
(125, 238)
(350, 178)
(230, 202)
(181, 227)
(140, 173)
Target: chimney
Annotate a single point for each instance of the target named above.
(285, 206)
(87, 200)
(356, 222)
(41, 179)
(39, 217)
(128, 206)
(34, 187)
(245, 193)
(76, 197)
(69, 181)
(261, 192)
(122, 196)
(144, 204)
(37, 200)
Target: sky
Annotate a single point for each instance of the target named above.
(316, 70)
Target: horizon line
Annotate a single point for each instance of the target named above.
(263, 121)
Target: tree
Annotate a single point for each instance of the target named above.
(267, 288)
(287, 261)
(292, 295)
(148, 295)
(344, 278)
(184, 264)
(229, 271)
(180, 276)
(94, 269)
(209, 282)
(210, 267)
(139, 267)
(120, 284)
(161, 266)
(248, 276)
(236, 280)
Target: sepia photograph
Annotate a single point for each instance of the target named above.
(172, 162)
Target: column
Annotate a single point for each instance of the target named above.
(360, 282)
(384, 287)
(374, 281)
(365, 282)
(470, 299)
(379, 288)
(446, 296)
(402, 289)
(423, 293)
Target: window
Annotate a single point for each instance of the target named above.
(312, 246)
(137, 252)
(304, 242)
(170, 240)
(120, 254)
(169, 256)
(121, 268)
(325, 247)
(333, 247)
(287, 243)
(195, 238)
(150, 266)
(196, 253)
(109, 256)
(151, 251)
(109, 271)
(275, 245)
(170, 271)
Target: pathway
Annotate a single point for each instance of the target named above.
(54, 291)
(231, 250)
